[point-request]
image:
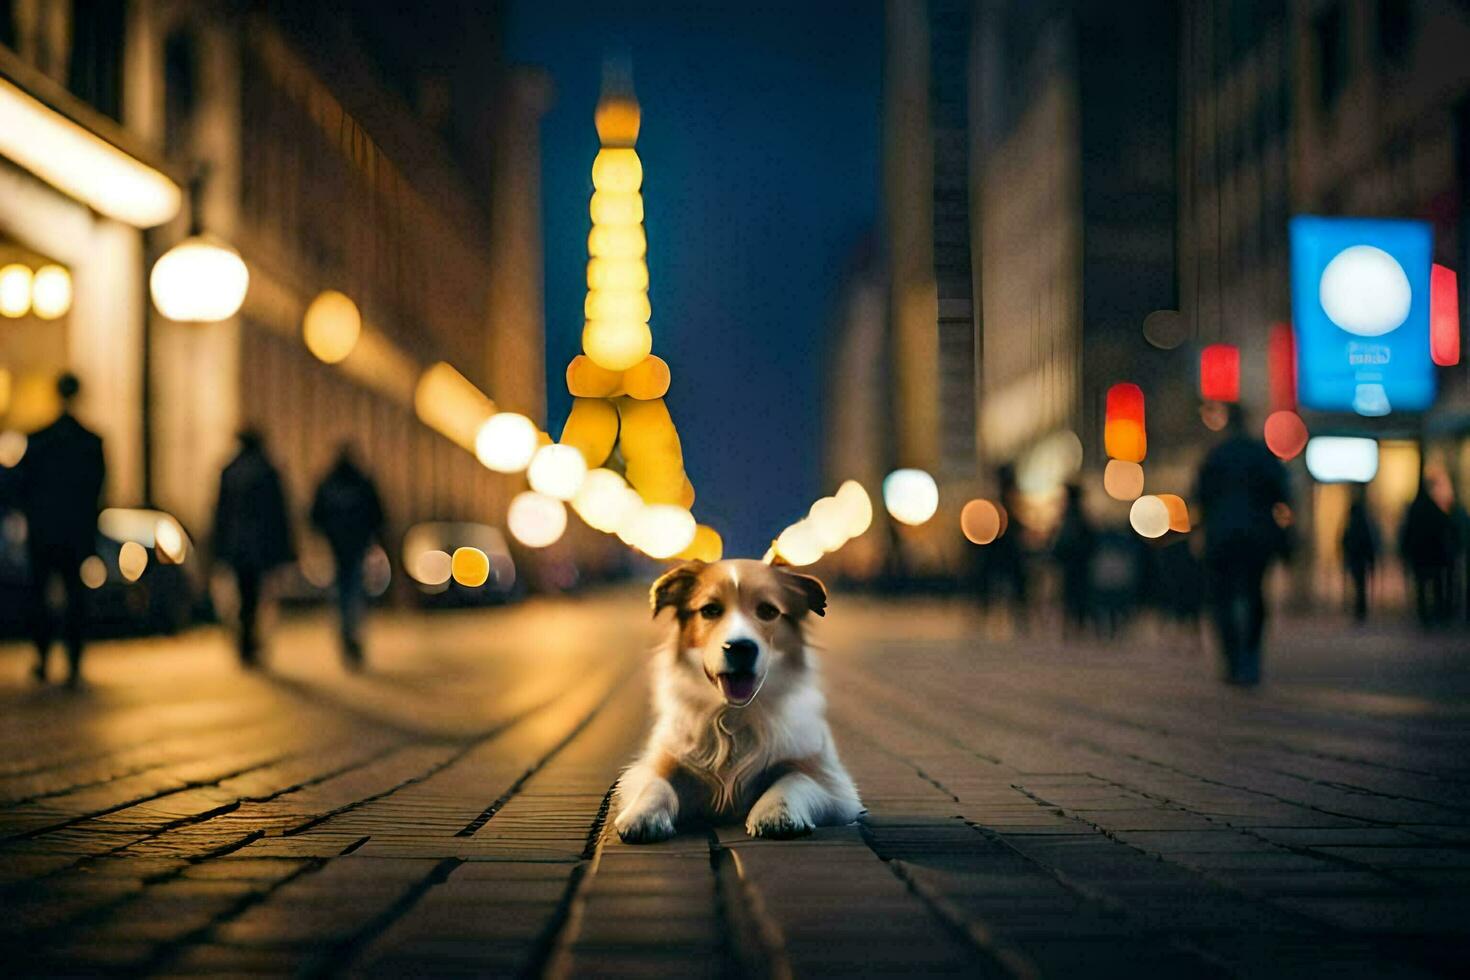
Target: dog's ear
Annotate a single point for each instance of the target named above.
(672, 587)
(809, 586)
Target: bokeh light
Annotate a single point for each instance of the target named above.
(1342, 459)
(605, 501)
(506, 442)
(1286, 434)
(1123, 480)
(12, 447)
(857, 506)
(93, 572)
(199, 280)
(1178, 512)
(617, 242)
(1444, 316)
(616, 208)
(829, 522)
(616, 273)
(51, 292)
(799, 544)
(1219, 373)
(557, 471)
(617, 169)
(450, 404)
(707, 545)
(1149, 516)
(647, 379)
(662, 530)
(332, 326)
(617, 120)
(911, 496)
(1165, 329)
(169, 541)
(1053, 461)
(588, 379)
(132, 560)
(980, 521)
(15, 290)
(1214, 415)
(430, 567)
(536, 520)
(470, 567)
(617, 345)
(1365, 291)
(1124, 432)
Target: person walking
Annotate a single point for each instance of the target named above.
(60, 486)
(1073, 547)
(1360, 551)
(1429, 543)
(349, 513)
(252, 531)
(1239, 487)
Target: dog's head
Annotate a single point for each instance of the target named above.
(739, 621)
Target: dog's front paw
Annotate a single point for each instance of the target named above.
(777, 818)
(644, 825)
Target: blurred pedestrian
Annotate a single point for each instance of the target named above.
(1360, 551)
(252, 531)
(1072, 549)
(349, 513)
(1240, 487)
(60, 485)
(1005, 557)
(1429, 544)
(1115, 579)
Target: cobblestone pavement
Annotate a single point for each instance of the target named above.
(1035, 808)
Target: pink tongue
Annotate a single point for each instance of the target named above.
(738, 687)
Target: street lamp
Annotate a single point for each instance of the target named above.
(201, 279)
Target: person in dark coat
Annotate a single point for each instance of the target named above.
(1005, 558)
(252, 531)
(1360, 551)
(60, 486)
(1240, 485)
(1429, 544)
(1072, 549)
(349, 514)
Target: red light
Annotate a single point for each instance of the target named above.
(1219, 373)
(1281, 367)
(1444, 316)
(1124, 435)
(1286, 434)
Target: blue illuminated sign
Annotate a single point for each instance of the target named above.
(1360, 309)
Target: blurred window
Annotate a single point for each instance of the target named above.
(94, 73)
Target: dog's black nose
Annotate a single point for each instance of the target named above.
(740, 655)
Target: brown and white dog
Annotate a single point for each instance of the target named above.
(740, 730)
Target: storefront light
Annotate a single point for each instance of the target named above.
(199, 280)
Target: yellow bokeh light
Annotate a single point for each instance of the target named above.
(588, 379)
(829, 522)
(12, 447)
(1149, 516)
(51, 292)
(707, 545)
(857, 506)
(648, 429)
(616, 207)
(169, 541)
(617, 344)
(557, 471)
(93, 572)
(536, 520)
(332, 326)
(799, 544)
(980, 522)
(617, 169)
(618, 242)
(1123, 480)
(592, 427)
(617, 120)
(199, 280)
(648, 379)
(911, 496)
(606, 304)
(132, 560)
(450, 404)
(506, 442)
(605, 501)
(15, 290)
(470, 567)
(619, 273)
(658, 478)
(1178, 512)
(662, 530)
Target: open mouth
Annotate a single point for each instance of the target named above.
(738, 687)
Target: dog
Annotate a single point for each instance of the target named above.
(740, 728)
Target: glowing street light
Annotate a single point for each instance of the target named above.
(536, 520)
(506, 442)
(15, 290)
(557, 471)
(911, 496)
(51, 292)
(331, 326)
(199, 280)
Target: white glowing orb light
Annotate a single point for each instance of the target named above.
(911, 496)
(604, 501)
(857, 507)
(506, 442)
(662, 530)
(132, 559)
(1342, 459)
(1050, 463)
(15, 290)
(199, 280)
(51, 292)
(799, 544)
(169, 541)
(1365, 291)
(430, 567)
(828, 520)
(1149, 516)
(557, 471)
(536, 520)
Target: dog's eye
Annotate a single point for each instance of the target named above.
(711, 610)
(767, 611)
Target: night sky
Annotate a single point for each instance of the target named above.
(761, 156)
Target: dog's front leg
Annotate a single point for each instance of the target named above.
(647, 805)
(791, 807)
